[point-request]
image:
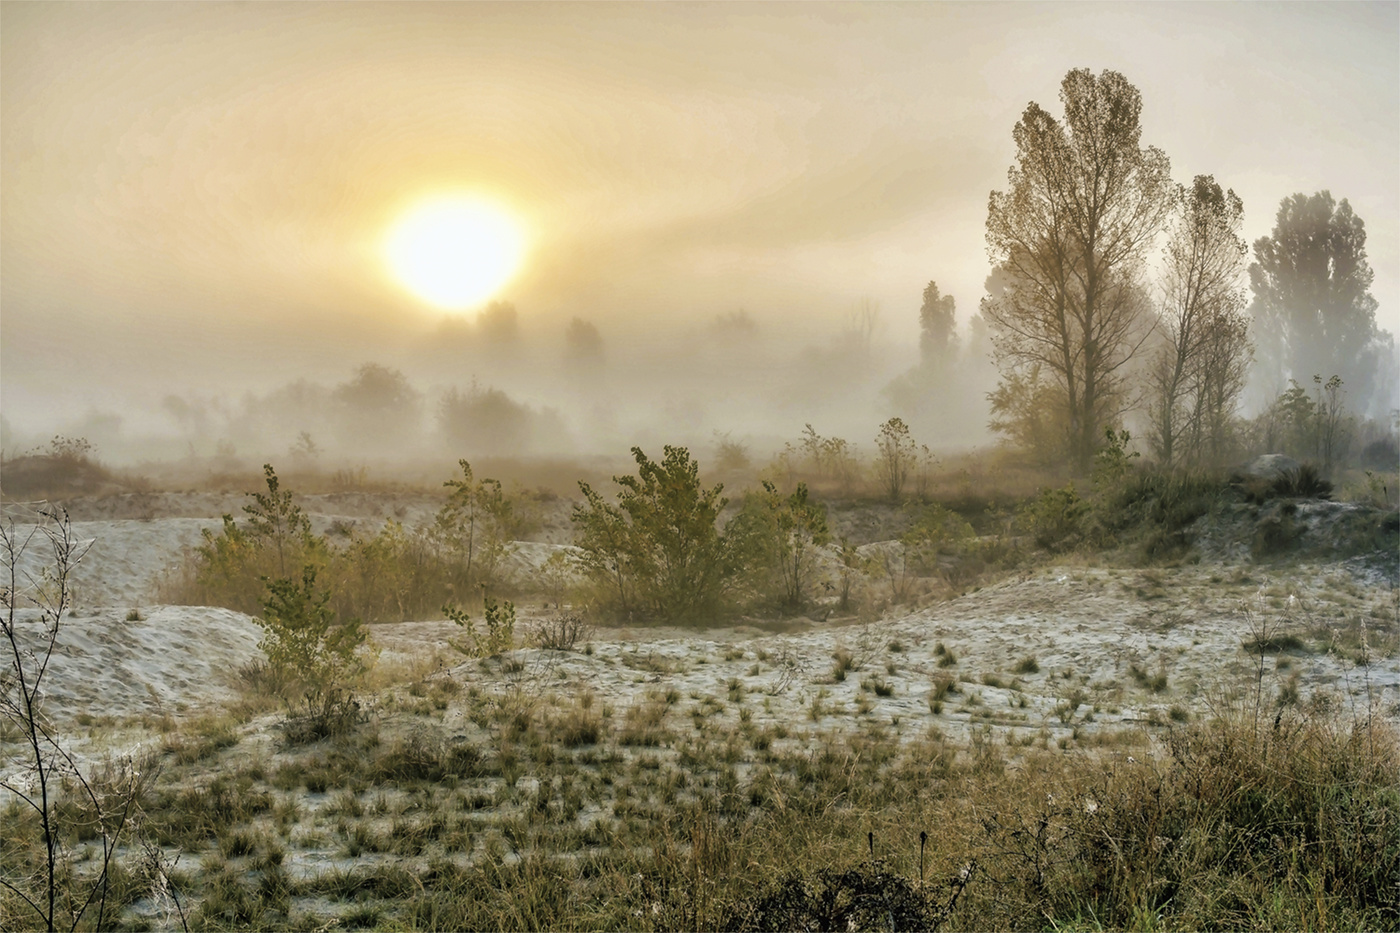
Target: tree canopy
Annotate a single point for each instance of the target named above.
(1083, 202)
(1313, 310)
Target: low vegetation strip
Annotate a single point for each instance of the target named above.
(544, 816)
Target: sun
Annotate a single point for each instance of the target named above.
(455, 252)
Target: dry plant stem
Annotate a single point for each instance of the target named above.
(155, 858)
(45, 760)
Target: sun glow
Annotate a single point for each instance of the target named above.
(454, 253)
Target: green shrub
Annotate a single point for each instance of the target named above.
(498, 637)
(1055, 518)
(232, 567)
(307, 643)
(475, 526)
(935, 531)
(778, 537)
(658, 551)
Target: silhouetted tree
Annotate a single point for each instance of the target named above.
(938, 341)
(734, 327)
(1313, 310)
(583, 345)
(1199, 362)
(1083, 204)
(862, 324)
(1030, 411)
(379, 403)
(485, 421)
(1332, 427)
(499, 323)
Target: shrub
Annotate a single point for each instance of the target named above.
(1163, 504)
(307, 643)
(866, 897)
(498, 637)
(897, 457)
(1306, 482)
(475, 526)
(851, 568)
(561, 633)
(936, 530)
(658, 550)
(231, 568)
(780, 535)
(1055, 518)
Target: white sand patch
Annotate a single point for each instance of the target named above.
(175, 659)
(124, 559)
(1087, 629)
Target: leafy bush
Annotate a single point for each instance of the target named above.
(232, 567)
(779, 535)
(308, 644)
(897, 457)
(391, 576)
(1055, 518)
(498, 637)
(833, 458)
(475, 526)
(394, 574)
(1113, 462)
(658, 551)
(936, 530)
(852, 567)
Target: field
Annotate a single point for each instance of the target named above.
(1074, 741)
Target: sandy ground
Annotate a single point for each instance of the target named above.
(1087, 629)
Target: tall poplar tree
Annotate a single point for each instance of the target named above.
(1083, 202)
(1313, 311)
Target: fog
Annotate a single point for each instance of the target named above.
(744, 203)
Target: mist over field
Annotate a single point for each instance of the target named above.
(730, 213)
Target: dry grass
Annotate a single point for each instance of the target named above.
(552, 812)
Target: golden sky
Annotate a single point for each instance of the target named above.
(206, 187)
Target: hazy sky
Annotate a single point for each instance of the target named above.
(197, 193)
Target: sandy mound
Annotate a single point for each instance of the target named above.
(123, 559)
(176, 658)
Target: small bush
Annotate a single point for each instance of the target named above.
(1306, 482)
(307, 644)
(1154, 682)
(499, 636)
(878, 686)
(1055, 518)
(657, 551)
(561, 633)
(867, 897)
(843, 662)
(1274, 644)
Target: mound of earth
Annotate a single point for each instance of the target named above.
(1367, 538)
(39, 476)
(173, 659)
